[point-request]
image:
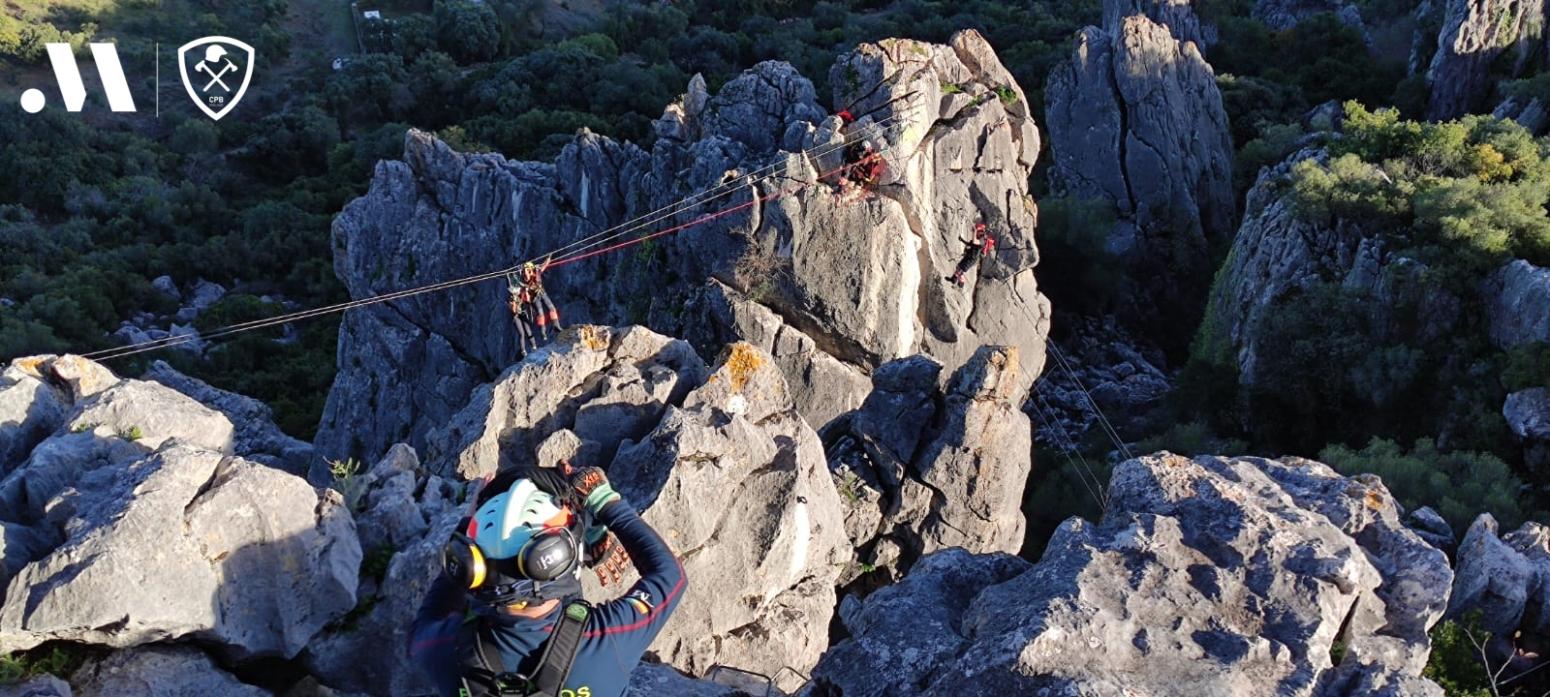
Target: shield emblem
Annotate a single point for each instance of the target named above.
(216, 71)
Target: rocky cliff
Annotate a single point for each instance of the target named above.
(187, 566)
(1232, 576)
(1136, 122)
(1480, 42)
(831, 287)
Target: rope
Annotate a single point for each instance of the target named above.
(577, 255)
(1103, 421)
(1069, 447)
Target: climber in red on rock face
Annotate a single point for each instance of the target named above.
(983, 244)
(546, 313)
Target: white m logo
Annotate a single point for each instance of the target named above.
(68, 75)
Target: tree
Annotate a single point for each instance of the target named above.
(1458, 485)
(468, 31)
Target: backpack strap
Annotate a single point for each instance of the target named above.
(483, 672)
(560, 650)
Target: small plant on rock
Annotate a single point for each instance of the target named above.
(348, 481)
(131, 433)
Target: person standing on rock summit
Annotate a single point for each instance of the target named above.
(983, 244)
(506, 617)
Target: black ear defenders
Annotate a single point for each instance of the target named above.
(550, 555)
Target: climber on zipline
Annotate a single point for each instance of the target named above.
(520, 302)
(864, 168)
(506, 616)
(983, 244)
(547, 313)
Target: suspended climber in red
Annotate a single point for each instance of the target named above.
(983, 244)
(546, 313)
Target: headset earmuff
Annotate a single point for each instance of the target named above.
(464, 562)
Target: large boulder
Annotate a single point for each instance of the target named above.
(159, 671)
(1518, 304)
(255, 436)
(1480, 41)
(907, 632)
(1231, 576)
(923, 469)
(736, 479)
(188, 543)
(122, 422)
(831, 287)
(1506, 579)
(1136, 123)
(30, 409)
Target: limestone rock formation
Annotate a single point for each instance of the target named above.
(1281, 15)
(1136, 123)
(159, 671)
(1280, 253)
(404, 517)
(1231, 576)
(1529, 112)
(1177, 15)
(1528, 416)
(188, 543)
(910, 631)
(831, 287)
(1504, 577)
(1479, 41)
(1518, 304)
(735, 480)
(924, 469)
(256, 437)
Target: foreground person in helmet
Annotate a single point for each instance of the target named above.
(506, 617)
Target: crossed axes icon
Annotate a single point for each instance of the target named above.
(213, 54)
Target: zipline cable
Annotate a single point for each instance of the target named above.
(591, 241)
(1103, 421)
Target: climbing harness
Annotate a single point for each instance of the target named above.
(575, 251)
(486, 675)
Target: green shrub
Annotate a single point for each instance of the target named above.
(1077, 270)
(1455, 663)
(1191, 439)
(1458, 485)
(1527, 366)
(59, 660)
(131, 433)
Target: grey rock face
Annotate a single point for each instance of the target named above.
(1120, 371)
(43, 686)
(1475, 36)
(1518, 304)
(30, 409)
(911, 630)
(407, 515)
(1528, 415)
(1281, 15)
(1136, 122)
(606, 387)
(119, 423)
(188, 543)
(1179, 585)
(923, 469)
(1177, 15)
(736, 475)
(845, 301)
(159, 671)
(1279, 253)
(1530, 113)
(255, 435)
(652, 679)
